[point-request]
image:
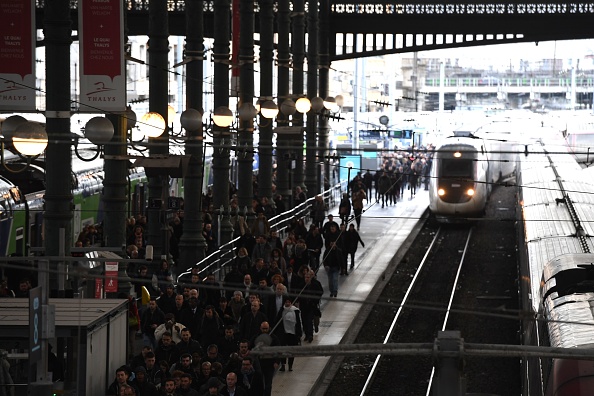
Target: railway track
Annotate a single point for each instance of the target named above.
(422, 312)
(486, 284)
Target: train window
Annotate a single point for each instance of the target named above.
(454, 168)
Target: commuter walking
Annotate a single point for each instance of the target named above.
(353, 239)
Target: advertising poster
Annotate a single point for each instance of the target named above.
(102, 71)
(17, 55)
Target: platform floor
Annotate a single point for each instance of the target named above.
(383, 230)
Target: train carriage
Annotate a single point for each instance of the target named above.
(556, 213)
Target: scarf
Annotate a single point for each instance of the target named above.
(247, 377)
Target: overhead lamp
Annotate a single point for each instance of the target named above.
(269, 109)
(247, 111)
(152, 124)
(30, 138)
(99, 130)
(222, 117)
(191, 120)
(303, 105)
(9, 125)
(339, 100)
(288, 107)
(317, 104)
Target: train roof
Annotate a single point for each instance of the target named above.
(549, 231)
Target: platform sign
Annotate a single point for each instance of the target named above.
(17, 55)
(349, 161)
(35, 324)
(111, 277)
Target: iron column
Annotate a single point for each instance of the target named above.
(312, 92)
(266, 60)
(222, 138)
(245, 153)
(158, 49)
(298, 49)
(284, 62)
(58, 194)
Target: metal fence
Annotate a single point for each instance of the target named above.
(219, 261)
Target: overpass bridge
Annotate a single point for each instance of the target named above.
(357, 29)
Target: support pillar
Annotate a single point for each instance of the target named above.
(158, 49)
(222, 138)
(58, 193)
(312, 92)
(192, 245)
(284, 63)
(298, 49)
(266, 66)
(245, 153)
(323, 167)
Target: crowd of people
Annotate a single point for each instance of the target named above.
(199, 332)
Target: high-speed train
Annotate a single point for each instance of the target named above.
(465, 167)
(556, 230)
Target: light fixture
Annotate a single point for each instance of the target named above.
(339, 100)
(9, 125)
(152, 124)
(191, 120)
(30, 138)
(288, 107)
(269, 109)
(247, 111)
(222, 117)
(317, 104)
(303, 105)
(99, 130)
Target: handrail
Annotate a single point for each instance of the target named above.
(217, 262)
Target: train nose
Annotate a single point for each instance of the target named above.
(455, 192)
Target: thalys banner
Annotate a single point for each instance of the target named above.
(102, 63)
(17, 55)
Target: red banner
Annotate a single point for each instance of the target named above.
(102, 81)
(111, 277)
(17, 55)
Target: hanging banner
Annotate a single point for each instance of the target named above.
(17, 55)
(102, 63)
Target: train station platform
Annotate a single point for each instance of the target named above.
(384, 231)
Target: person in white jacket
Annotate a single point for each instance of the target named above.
(171, 326)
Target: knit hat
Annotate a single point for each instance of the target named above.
(140, 369)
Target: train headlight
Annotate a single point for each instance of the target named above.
(441, 192)
(470, 192)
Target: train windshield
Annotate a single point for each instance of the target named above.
(456, 168)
